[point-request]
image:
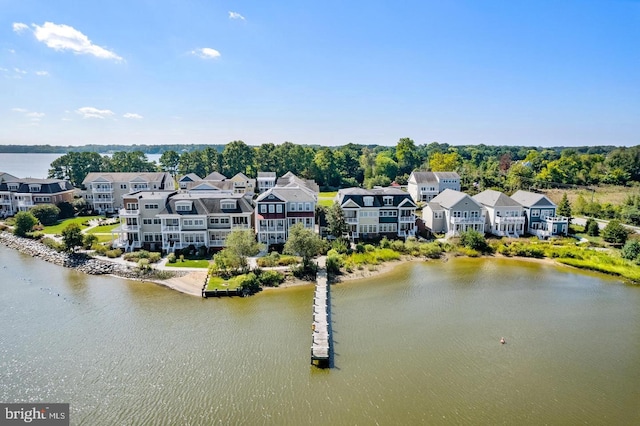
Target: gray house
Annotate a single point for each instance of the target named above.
(540, 212)
(453, 212)
(504, 215)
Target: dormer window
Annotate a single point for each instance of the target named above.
(228, 204)
(13, 186)
(34, 188)
(184, 206)
(368, 201)
(388, 201)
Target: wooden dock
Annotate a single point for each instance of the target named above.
(321, 326)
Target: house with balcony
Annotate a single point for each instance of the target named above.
(140, 227)
(243, 184)
(453, 212)
(21, 194)
(292, 181)
(424, 186)
(203, 219)
(540, 213)
(266, 181)
(104, 191)
(279, 208)
(376, 213)
(504, 216)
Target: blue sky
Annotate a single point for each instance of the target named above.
(541, 73)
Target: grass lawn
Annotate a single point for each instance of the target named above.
(103, 238)
(103, 229)
(328, 194)
(325, 202)
(219, 283)
(190, 263)
(57, 228)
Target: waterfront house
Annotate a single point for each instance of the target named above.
(376, 213)
(21, 194)
(292, 200)
(266, 181)
(203, 218)
(243, 184)
(140, 226)
(424, 186)
(505, 217)
(540, 213)
(104, 191)
(452, 212)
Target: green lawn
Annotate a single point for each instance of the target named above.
(190, 263)
(328, 194)
(103, 229)
(325, 202)
(103, 238)
(218, 283)
(57, 228)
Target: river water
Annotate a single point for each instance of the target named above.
(419, 345)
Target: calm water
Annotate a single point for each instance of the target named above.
(36, 165)
(417, 346)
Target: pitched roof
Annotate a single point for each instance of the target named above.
(289, 193)
(493, 198)
(192, 177)
(529, 199)
(209, 203)
(124, 177)
(449, 198)
(425, 177)
(357, 195)
(47, 186)
(6, 177)
(291, 180)
(215, 176)
(240, 176)
(266, 175)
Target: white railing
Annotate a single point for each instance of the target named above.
(408, 219)
(471, 220)
(5, 202)
(23, 203)
(216, 243)
(102, 190)
(128, 212)
(240, 226)
(510, 219)
(555, 219)
(271, 229)
(108, 200)
(170, 228)
(126, 227)
(351, 220)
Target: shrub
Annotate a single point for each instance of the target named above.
(270, 278)
(143, 264)
(24, 222)
(431, 250)
(369, 248)
(334, 262)
(112, 254)
(398, 246)
(88, 241)
(360, 248)
(99, 249)
(385, 243)
(341, 245)
(615, 233)
(249, 282)
(171, 258)
(631, 250)
(47, 214)
(66, 210)
(53, 244)
(591, 227)
(35, 235)
(474, 240)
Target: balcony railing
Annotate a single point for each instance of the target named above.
(170, 228)
(555, 219)
(241, 226)
(216, 243)
(102, 190)
(128, 212)
(407, 233)
(351, 220)
(471, 220)
(510, 219)
(5, 202)
(407, 219)
(108, 200)
(271, 229)
(126, 227)
(24, 203)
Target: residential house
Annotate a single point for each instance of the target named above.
(424, 186)
(243, 184)
(452, 212)
(505, 217)
(279, 208)
(203, 219)
(215, 177)
(291, 180)
(140, 226)
(21, 194)
(104, 191)
(188, 180)
(540, 212)
(380, 212)
(266, 181)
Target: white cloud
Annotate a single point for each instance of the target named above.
(33, 116)
(64, 37)
(37, 115)
(11, 51)
(91, 112)
(67, 119)
(42, 73)
(19, 27)
(206, 53)
(235, 15)
(19, 110)
(133, 116)
(19, 71)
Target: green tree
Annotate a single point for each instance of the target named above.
(47, 214)
(592, 228)
(242, 243)
(327, 170)
(440, 162)
(265, 158)
(564, 208)
(131, 162)
(74, 166)
(24, 222)
(336, 221)
(407, 155)
(72, 236)
(169, 161)
(615, 233)
(631, 250)
(191, 162)
(303, 242)
(211, 161)
(89, 240)
(66, 210)
(226, 263)
(237, 157)
(385, 166)
(474, 240)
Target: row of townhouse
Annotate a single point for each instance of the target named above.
(238, 184)
(452, 212)
(375, 213)
(204, 215)
(21, 194)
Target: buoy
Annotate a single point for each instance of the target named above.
(503, 341)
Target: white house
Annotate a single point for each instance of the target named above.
(424, 186)
(505, 217)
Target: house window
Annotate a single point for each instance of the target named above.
(228, 205)
(475, 214)
(151, 207)
(13, 186)
(272, 208)
(263, 208)
(293, 207)
(437, 215)
(535, 213)
(123, 186)
(299, 207)
(307, 206)
(457, 214)
(368, 201)
(146, 221)
(34, 188)
(308, 222)
(388, 201)
(278, 208)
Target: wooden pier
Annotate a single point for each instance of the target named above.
(321, 326)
